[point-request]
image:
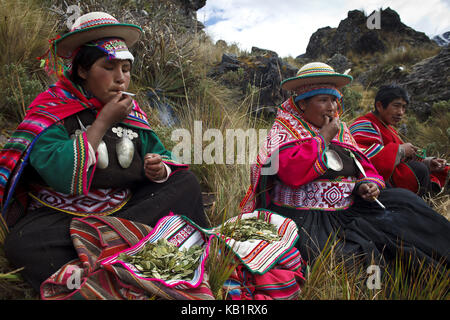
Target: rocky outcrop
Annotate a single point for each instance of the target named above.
(353, 35)
(428, 82)
(189, 9)
(262, 70)
(339, 62)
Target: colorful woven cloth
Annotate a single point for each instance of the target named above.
(96, 239)
(96, 274)
(282, 282)
(259, 256)
(177, 231)
(115, 48)
(100, 202)
(380, 143)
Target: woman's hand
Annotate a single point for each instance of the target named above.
(154, 168)
(116, 110)
(368, 191)
(112, 112)
(330, 128)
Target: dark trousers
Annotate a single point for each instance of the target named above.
(422, 174)
(41, 241)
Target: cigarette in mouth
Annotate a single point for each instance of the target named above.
(128, 93)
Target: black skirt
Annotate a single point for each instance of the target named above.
(41, 242)
(407, 227)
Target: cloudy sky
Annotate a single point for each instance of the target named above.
(285, 26)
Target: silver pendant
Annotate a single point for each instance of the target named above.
(125, 152)
(333, 160)
(125, 147)
(102, 150)
(102, 158)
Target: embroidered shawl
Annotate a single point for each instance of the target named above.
(290, 129)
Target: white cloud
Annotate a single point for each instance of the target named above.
(285, 26)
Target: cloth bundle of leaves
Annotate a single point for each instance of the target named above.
(97, 239)
(268, 269)
(164, 260)
(258, 249)
(173, 253)
(251, 229)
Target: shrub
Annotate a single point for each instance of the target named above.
(19, 89)
(352, 100)
(24, 32)
(433, 134)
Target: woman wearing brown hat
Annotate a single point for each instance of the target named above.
(86, 148)
(312, 171)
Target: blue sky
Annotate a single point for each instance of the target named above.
(285, 26)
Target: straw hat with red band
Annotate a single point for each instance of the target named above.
(315, 73)
(93, 26)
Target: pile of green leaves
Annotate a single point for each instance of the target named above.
(252, 228)
(164, 260)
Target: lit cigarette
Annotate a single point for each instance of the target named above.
(379, 203)
(128, 93)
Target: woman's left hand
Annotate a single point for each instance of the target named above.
(368, 191)
(154, 167)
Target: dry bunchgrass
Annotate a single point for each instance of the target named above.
(332, 277)
(407, 55)
(25, 28)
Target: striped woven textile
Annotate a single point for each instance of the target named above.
(177, 231)
(282, 282)
(96, 239)
(364, 130)
(259, 256)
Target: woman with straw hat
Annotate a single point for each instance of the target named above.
(86, 148)
(312, 171)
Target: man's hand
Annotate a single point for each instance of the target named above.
(409, 151)
(437, 164)
(154, 168)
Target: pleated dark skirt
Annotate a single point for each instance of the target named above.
(408, 227)
(41, 242)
